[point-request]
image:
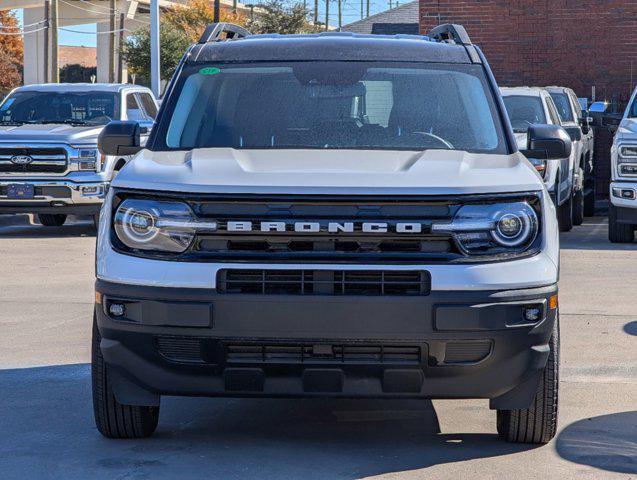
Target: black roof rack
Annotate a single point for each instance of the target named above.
(215, 32)
(450, 33)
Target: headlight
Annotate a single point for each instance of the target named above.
(627, 161)
(493, 228)
(155, 225)
(628, 152)
(88, 159)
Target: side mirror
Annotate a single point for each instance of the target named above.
(574, 132)
(120, 138)
(550, 142)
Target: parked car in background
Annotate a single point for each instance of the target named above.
(527, 106)
(49, 162)
(622, 220)
(578, 125)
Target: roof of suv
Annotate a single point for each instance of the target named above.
(335, 46)
(524, 91)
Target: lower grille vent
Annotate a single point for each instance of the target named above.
(180, 349)
(322, 354)
(323, 282)
(467, 351)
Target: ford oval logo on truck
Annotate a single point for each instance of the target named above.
(21, 159)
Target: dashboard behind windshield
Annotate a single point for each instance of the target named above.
(332, 105)
(91, 108)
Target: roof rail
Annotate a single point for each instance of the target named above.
(450, 33)
(215, 31)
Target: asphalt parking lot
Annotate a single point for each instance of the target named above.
(47, 430)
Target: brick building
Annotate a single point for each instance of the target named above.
(576, 43)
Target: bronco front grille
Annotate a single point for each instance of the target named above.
(40, 160)
(323, 282)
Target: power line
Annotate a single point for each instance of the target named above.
(23, 32)
(95, 33)
(22, 27)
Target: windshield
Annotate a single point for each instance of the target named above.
(333, 105)
(91, 108)
(563, 106)
(632, 111)
(524, 111)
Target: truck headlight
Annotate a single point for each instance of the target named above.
(627, 161)
(163, 226)
(88, 159)
(493, 228)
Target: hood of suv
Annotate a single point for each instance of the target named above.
(328, 171)
(50, 133)
(627, 128)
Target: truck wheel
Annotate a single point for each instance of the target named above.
(52, 220)
(578, 207)
(538, 423)
(565, 215)
(589, 201)
(619, 232)
(114, 420)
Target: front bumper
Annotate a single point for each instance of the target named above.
(625, 207)
(55, 196)
(448, 344)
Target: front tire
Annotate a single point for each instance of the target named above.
(565, 215)
(619, 232)
(52, 219)
(114, 420)
(578, 207)
(538, 423)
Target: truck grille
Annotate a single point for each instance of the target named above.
(323, 282)
(323, 354)
(43, 160)
(322, 246)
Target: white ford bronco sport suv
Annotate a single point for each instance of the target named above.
(329, 215)
(528, 106)
(49, 162)
(622, 220)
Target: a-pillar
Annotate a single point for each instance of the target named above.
(34, 43)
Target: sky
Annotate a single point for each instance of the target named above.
(351, 13)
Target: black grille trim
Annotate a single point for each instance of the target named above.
(180, 349)
(469, 351)
(296, 354)
(324, 282)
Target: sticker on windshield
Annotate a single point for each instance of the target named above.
(210, 71)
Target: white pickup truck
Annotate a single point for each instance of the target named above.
(622, 220)
(49, 162)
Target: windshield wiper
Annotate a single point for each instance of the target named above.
(66, 122)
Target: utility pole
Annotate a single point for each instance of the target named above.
(120, 65)
(368, 8)
(47, 32)
(111, 43)
(390, 4)
(340, 14)
(362, 12)
(315, 12)
(234, 6)
(154, 47)
(327, 14)
(55, 71)
(217, 8)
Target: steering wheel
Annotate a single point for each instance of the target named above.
(441, 140)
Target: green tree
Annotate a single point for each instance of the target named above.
(278, 17)
(173, 44)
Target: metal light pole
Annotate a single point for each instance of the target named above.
(155, 73)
